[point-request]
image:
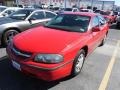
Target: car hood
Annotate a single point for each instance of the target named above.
(45, 40)
(5, 20)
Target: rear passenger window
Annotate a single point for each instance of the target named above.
(50, 15)
(38, 15)
(95, 22)
(102, 21)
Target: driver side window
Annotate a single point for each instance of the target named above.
(38, 15)
(101, 20)
(95, 22)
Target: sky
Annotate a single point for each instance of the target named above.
(117, 2)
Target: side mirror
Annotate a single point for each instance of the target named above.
(30, 20)
(95, 29)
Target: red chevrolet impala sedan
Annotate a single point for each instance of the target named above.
(59, 48)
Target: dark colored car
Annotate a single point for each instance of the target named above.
(59, 48)
(108, 15)
(22, 20)
(118, 21)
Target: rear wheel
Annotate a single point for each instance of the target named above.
(103, 41)
(8, 36)
(117, 25)
(78, 63)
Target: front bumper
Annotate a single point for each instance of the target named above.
(48, 74)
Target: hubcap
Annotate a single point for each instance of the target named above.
(79, 63)
(10, 36)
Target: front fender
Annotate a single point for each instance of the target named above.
(5, 27)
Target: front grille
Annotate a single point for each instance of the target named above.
(20, 53)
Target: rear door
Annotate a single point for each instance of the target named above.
(96, 35)
(41, 17)
(37, 18)
(103, 27)
(49, 15)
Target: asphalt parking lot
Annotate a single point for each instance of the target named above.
(100, 71)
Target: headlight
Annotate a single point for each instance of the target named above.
(48, 58)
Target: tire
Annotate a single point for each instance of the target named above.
(8, 35)
(103, 41)
(78, 63)
(117, 25)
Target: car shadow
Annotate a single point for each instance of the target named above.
(1, 47)
(12, 79)
(114, 27)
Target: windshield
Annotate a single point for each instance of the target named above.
(2, 9)
(21, 14)
(69, 22)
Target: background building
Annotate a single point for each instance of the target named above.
(100, 4)
(7, 2)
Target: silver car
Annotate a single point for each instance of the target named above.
(9, 10)
(22, 20)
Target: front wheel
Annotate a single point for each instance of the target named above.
(103, 41)
(117, 25)
(78, 63)
(8, 35)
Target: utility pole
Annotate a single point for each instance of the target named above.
(103, 4)
(92, 4)
(50, 2)
(16, 1)
(30, 2)
(79, 3)
(65, 2)
(113, 5)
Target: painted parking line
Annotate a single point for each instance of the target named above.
(106, 77)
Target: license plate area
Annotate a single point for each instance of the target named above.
(16, 65)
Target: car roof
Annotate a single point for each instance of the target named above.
(29, 9)
(81, 13)
(13, 7)
(42, 10)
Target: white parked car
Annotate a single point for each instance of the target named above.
(2, 8)
(71, 10)
(8, 11)
(86, 10)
